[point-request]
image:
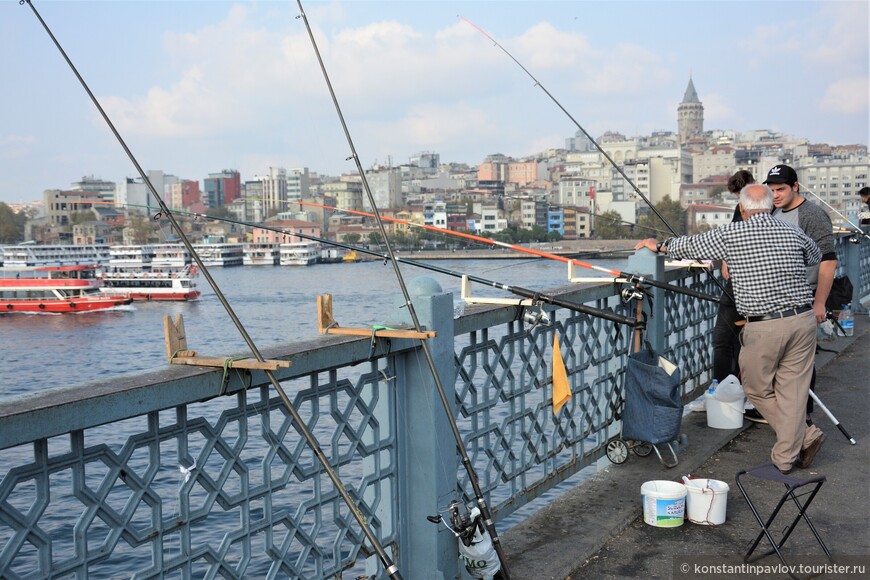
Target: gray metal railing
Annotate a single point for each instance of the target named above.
(158, 476)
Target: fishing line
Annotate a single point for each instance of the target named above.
(588, 136)
(301, 426)
(519, 291)
(484, 509)
(857, 230)
(630, 278)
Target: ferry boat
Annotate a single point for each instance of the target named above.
(170, 256)
(299, 254)
(131, 257)
(29, 255)
(55, 289)
(148, 285)
(220, 255)
(260, 255)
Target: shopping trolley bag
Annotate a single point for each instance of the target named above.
(653, 409)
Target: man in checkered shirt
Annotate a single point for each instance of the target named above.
(767, 259)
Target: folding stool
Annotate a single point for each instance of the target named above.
(769, 472)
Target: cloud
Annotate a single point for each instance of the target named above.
(846, 96)
(717, 108)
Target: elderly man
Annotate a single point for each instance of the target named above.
(767, 259)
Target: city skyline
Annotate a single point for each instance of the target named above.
(195, 87)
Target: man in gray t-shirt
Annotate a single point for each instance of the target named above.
(791, 207)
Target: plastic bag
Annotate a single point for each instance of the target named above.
(729, 390)
(479, 558)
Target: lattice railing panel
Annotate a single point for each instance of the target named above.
(223, 488)
(504, 391)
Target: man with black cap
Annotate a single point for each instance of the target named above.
(791, 207)
(865, 199)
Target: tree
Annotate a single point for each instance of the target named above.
(609, 226)
(80, 217)
(672, 211)
(11, 225)
(375, 238)
(141, 229)
(352, 238)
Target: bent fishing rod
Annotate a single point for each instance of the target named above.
(519, 291)
(299, 423)
(488, 522)
(591, 139)
(856, 230)
(629, 278)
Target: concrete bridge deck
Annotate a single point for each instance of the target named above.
(597, 530)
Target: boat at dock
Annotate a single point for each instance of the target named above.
(55, 289)
(220, 255)
(151, 285)
(299, 254)
(260, 255)
(29, 255)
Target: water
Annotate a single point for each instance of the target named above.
(277, 305)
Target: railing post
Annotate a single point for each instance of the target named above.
(652, 264)
(428, 461)
(852, 269)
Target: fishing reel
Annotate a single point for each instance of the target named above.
(535, 316)
(630, 293)
(462, 524)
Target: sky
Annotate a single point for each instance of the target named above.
(194, 87)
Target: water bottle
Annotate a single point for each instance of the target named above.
(847, 321)
(712, 390)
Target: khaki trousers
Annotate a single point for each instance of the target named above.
(776, 365)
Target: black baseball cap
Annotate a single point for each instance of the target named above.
(781, 174)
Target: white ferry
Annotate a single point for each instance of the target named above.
(260, 255)
(299, 254)
(36, 255)
(148, 285)
(220, 255)
(170, 256)
(131, 257)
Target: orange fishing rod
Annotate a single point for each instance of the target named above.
(630, 278)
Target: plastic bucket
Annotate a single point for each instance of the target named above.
(664, 503)
(706, 501)
(722, 415)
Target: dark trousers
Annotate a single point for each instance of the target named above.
(726, 337)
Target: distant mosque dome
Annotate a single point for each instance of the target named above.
(690, 115)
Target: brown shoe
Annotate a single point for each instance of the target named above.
(808, 454)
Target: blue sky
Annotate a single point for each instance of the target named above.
(198, 86)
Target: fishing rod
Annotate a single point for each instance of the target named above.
(517, 290)
(488, 522)
(591, 139)
(630, 278)
(856, 229)
(300, 424)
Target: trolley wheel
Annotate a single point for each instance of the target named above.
(617, 451)
(641, 449)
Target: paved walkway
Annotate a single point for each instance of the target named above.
(597, 530)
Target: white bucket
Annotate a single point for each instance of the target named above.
(664, 503)
(707, 501)
(721, 415)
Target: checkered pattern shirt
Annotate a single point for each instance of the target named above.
(767, 260)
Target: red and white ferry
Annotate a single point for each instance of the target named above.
(55, 289)
(154, 284)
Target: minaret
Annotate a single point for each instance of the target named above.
(690, 115)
